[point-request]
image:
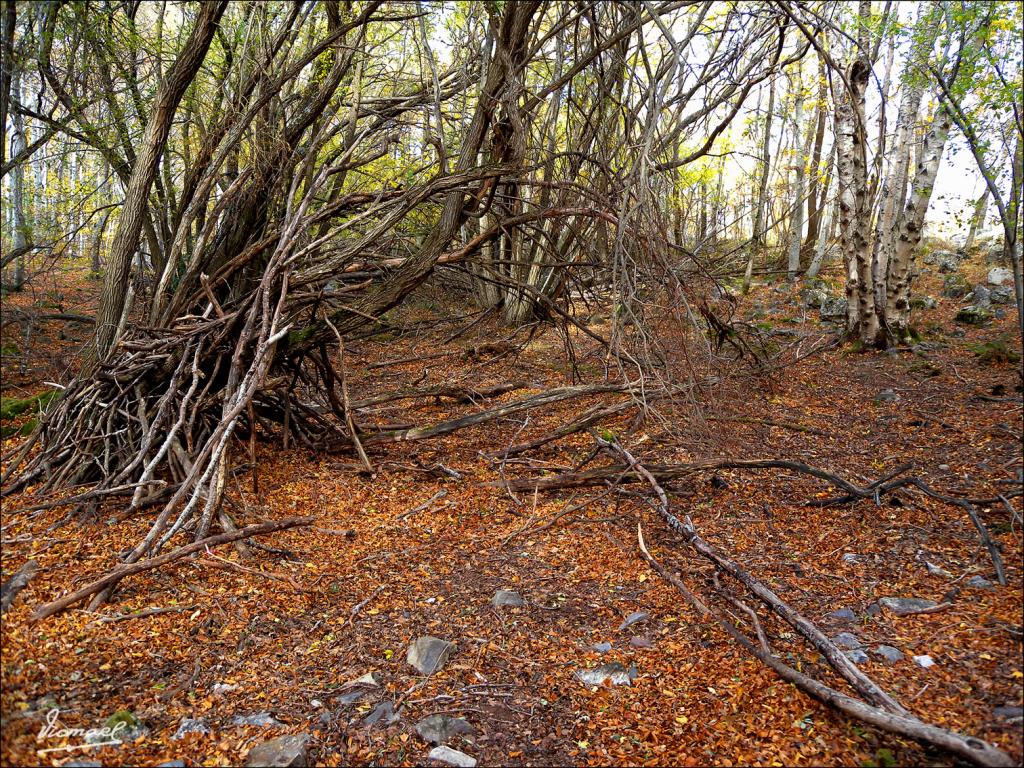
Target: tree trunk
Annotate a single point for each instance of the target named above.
(911, 224)
(815, 205)
(757, 236)
(158, 127)
(21, 233)
(854, 195)
(796, 229)
(977, 219)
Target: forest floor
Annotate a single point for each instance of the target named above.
(320, 606)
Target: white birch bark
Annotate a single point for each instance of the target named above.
(20, 231)
(796, 229)
(854, 213)
(909, 228)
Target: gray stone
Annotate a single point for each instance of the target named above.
(438, 729)
(935, 570)
(121, 726)
(602, 647)
(1000, 276)
(354, 695)
(887, 396)
(851, 557)
(258, 719)
(833, 308)
(979, 582)
(634, 618)
(973, 314)
(890, 654)
(613, 672)
(843, 615)
(1001, 294)
(1009, 713)
(847, 640)
(641, 642)
(923, 302)
(924, 661)
(955, 286)
(188, 725)
(369, 680)
(903, 606)
(282, 752)
(452, 757)
(172, 764)
(980, 297)
(947, 262)
(814, 297)
(873, 610)
(857, 656)
(383, 713)
(219, 689)
(507, 598)
(429, 654)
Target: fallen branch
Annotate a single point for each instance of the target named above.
(534, 401)
(420, 507)
(974, 750)
(459, 394)
(586, 420)
(839, 660)
(16, 583)
(143, 614)
(115, 575)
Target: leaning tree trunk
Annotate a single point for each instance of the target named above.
(977, 219)
(158, 127)
(911, 224)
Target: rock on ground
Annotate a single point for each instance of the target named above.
(1000, 276)
(634, 618)
(903, 606)
(437, 729)
(889, 653)
(188, 725)
(507, 598)
(452, 757)
(282, 752)
(429, 654)
(614, 672)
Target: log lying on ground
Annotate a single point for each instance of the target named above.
(115, 575)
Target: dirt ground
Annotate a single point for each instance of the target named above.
(310, 609)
